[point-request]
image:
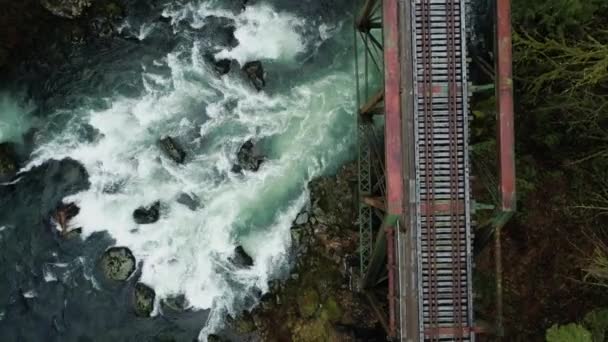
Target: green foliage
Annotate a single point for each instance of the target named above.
(564, 65)
(568, 333)
(560, 57)
(597, 270)
(557, 16)
(331, 310)
(561, 72)
(597, 322)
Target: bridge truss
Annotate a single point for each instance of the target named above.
(414, 183)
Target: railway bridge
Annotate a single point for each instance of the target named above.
(416, 214)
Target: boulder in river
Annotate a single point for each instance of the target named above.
(147, 215)
(62, 216)
(301, 219)
(255, 73)
(143, 300)
(174, 304)
(118, 263)
(66, 8)
(241, 258)
(191, 201)
(172, 149)
(248, 158)
(216, 338)
(221, 66)
(8, 161)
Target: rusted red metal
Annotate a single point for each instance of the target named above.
(373, 102)
(375, 202)
(504, 94)
(392, 105)
(438, 89)
(442, 207)
(392, 136)
(449, 331)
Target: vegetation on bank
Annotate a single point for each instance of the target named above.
(555, 250)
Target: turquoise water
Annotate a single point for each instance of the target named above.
(108, 115)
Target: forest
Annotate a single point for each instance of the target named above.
(555, 250)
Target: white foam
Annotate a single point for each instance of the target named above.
(265, 34)
(30, 294)
(187, 252)
(145, 30)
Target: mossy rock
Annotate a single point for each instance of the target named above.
(143, 300)
(331, 310)
(245, 324)
(118, 263)
(112, 10)
(311, 331)
(308, 302)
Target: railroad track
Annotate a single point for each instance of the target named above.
(441, 110)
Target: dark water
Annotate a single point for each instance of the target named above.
(51, 288)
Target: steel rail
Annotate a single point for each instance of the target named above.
(427, 95)
(454, 172)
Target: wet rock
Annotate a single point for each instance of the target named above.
(235, 6)
(245, 324)
(241, 258)
(172, 149)
(296, 235)
(248, 158)
(143, 300)
(189, 200)
(102, 27)
(255, 73)
(147, 215)
(64, 213)
(216, 338)
(301, 219)
(8, 162)
(118, 263)
(72, 233)
(221, 66)
(66, 8)
(174, 304)
(266, 301)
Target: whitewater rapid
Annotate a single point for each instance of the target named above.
(305, 130)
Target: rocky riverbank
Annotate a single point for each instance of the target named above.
(319, 301)
(32, 29)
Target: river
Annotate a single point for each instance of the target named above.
(93, 139)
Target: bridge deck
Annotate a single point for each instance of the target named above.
(434, 110)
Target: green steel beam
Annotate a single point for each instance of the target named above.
(378, 256)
